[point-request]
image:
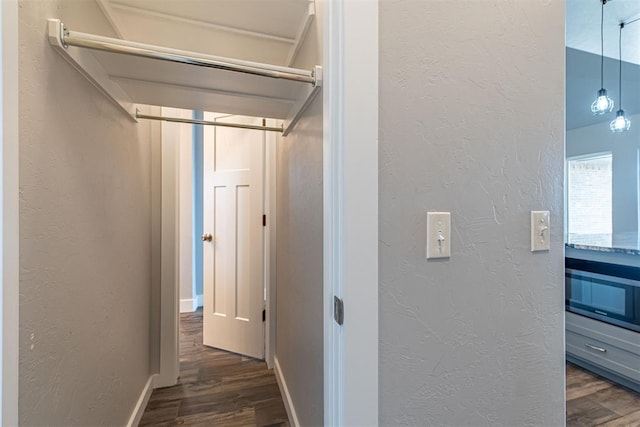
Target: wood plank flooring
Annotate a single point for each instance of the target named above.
(594, 401)
(215, 388)
(225, 389)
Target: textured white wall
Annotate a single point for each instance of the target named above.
(299, 346)
(9, 208)
(471, 121)
(85, 235)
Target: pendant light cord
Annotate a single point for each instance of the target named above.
(620, 62)
(632, 21)
(602, 44)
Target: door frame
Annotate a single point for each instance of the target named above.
(270, 155)
(350, 68)
(171, 138)
(9, 214)
(350, 219)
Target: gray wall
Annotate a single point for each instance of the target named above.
(624, 149)
(85, 235)
(471, 122)
(583, 82)
(299, 336)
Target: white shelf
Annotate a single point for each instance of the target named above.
(130, 73)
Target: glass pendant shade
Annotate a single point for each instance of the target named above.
(603, 104)
(620, 123)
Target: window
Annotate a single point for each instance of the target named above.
(589, 198)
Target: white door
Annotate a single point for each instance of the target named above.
(234, 258)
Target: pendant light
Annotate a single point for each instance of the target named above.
(620, 123)
(603, 104)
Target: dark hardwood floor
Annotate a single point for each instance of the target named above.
(595, 401)
(215, 388)
(225, 389)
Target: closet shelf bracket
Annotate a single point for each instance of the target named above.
(87, 65)
(130, 73)
(303, 103)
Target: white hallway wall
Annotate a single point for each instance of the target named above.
(9, 207)
(471, 121)
(299, 278)
(85, 236)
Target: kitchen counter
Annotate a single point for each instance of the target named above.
(624, 243)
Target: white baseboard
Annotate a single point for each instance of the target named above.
(284, 391)
(141, 405)
(186, 305)
(160, 381)
(190, 305)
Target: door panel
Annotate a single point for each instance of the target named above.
(232, 149)
(243, 252)
(234, 260)
(221, 224)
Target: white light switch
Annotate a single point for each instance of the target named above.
(540, 231)
(438, 235)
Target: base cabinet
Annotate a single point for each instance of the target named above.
(608, 350)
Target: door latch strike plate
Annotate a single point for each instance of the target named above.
(338, 310)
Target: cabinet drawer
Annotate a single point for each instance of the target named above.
(604, 354)
(604, 332)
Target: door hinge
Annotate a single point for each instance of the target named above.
(264, 315)
(338, 310)
(264, 220)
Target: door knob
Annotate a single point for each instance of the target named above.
(207, 237)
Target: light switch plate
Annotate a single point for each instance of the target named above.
(540, 231)
(438, 235)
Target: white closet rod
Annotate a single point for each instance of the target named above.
(208, 123)
(107, 44)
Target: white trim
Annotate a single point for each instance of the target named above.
(199, 23)
(302, 33)
(9, 216)
(188, 305)
(141, 405)
(286, 396)
(351, 211)
(170, 236)
(186, 237)
(332, 64)
(169, 292)
(107, 11)
(359, 209)
(270, 185)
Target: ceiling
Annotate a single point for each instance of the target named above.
(583, 58)
(583, 27)
(257, 30)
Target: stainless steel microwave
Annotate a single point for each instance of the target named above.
(606, 292)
